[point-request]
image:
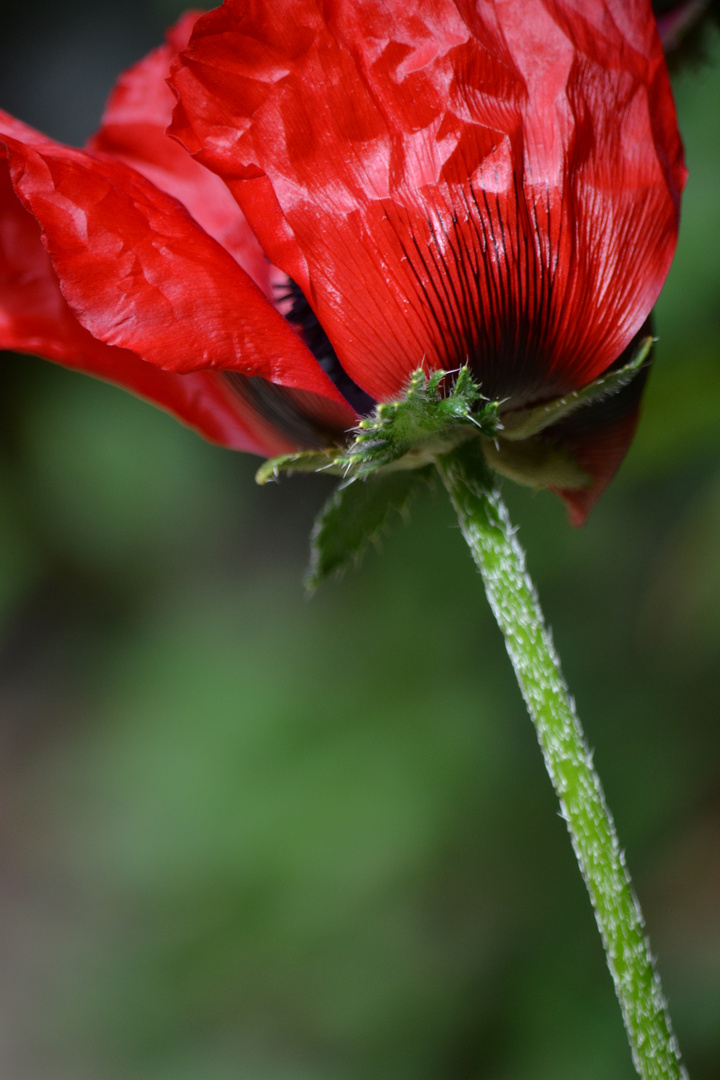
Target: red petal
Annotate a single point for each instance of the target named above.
(446, 180)
(600, 455)
(140, 274)
(598, 437)
(133, 130)
(34, 318)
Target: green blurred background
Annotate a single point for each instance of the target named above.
(244, 834)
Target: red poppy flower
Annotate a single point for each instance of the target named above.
(375, 185)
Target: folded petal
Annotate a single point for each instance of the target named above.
(35, 319)
(133, 130)
(140, 274)
(448, 181)
(577, 456)
(597, 439)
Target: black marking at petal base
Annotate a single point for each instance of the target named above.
(282, 407)
(302, 317)
(469, 252)
(276, 405)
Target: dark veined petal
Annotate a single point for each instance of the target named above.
(140, 274)
(448, 181)
(133, 130)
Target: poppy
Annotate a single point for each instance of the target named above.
(349, 191)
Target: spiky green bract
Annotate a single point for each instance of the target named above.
(501, 561)
(302, 461)
(423, 423)
(410, 433)
(355, 515)
(433, 416)
(403, 434)
(392, 453)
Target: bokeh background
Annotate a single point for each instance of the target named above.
(244, 834)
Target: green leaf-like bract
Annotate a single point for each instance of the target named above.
(354, 516)
(405, 434)
(302, 461)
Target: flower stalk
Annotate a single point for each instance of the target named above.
(486, 527)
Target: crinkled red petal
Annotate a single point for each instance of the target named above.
(35, 319)
(133, 130)
(140, 274)
(448, 181)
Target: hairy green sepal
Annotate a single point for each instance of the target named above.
(411, 432)
(390, 451)
(405, 434)
(390, 455)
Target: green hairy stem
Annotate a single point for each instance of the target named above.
(501, 561)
